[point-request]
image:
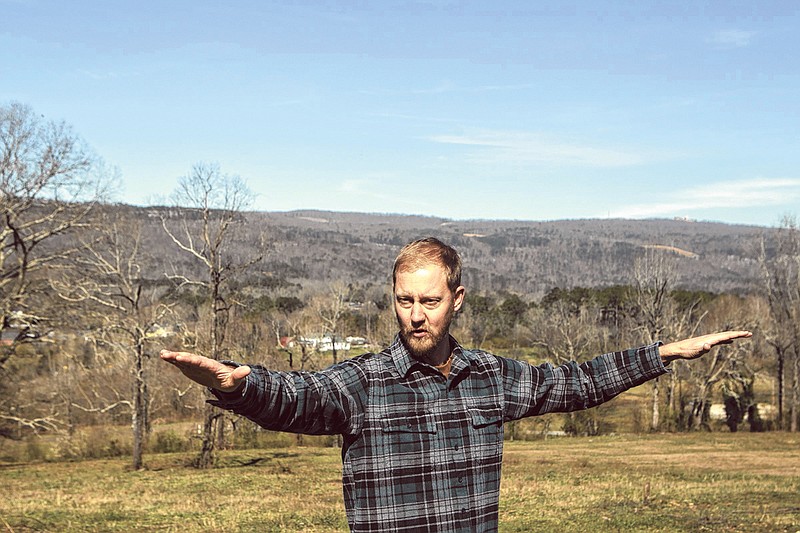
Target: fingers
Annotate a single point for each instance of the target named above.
(187, 359)
(177, 357)
(727, 337)
(698, 346)
(167, 355)
(731, 335)
(724, 337)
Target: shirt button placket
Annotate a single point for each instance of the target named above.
(459, 458)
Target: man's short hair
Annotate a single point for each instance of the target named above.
(430, 250)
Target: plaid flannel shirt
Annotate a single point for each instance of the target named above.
(423, 452)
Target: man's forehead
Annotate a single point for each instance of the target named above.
(431, 276)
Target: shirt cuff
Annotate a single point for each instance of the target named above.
(660, 362)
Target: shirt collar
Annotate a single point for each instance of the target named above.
(404, 362)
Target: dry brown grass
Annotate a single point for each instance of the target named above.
(694, 482)
(676, 482)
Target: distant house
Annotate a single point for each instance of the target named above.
(327, 345)
(287, 342)
(8, 336)
(324, 343)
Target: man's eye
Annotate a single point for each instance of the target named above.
(432, 304)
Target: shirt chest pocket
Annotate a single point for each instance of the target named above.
(408, 434)
(486, 417)
(486, 427)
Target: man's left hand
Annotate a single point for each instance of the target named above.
(698, 346)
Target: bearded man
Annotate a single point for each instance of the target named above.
(422, 420)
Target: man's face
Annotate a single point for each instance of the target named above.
(425, 307)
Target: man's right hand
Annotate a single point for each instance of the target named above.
(207, 372)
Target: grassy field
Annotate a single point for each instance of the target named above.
(686, 482)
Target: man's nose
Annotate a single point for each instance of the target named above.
(416, 313)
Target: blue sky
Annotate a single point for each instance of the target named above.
(511, 110)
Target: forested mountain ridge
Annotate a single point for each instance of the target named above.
(307, 248)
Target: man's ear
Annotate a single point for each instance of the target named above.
(458, 298)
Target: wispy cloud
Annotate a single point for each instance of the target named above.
(353, 186)
(504, 147)
(109, 74)
(447, 86)
(759, 192)
(374, 195)
(731, 38)
(416, 118)
(450, 87)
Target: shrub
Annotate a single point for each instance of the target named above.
(36, 450)
(586, 424)
(169, 442)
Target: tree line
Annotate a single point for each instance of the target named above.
(83, 315)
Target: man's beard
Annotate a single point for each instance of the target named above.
(422, 349)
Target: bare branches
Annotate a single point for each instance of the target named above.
(49, 183)
(105, 408)
(215, 199)
(218, 200)
(570, 334)
(46, 423)
(781, 279)
(653, 277)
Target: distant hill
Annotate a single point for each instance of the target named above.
(308, 248)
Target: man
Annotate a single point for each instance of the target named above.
(422, 421)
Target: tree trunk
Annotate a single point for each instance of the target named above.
(213, 425)
(700, 408)
(780, 380)
(140, 421)
(654, 422)
(671, 400)
(207, 455)
(220, 433)
(794, 416)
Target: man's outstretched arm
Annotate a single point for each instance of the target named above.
(535, 390)
(207, 372)
(327, 402)
(698, 346)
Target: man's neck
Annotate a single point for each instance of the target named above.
(441, 354)
(444, 368)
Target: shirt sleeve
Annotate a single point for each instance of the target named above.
(328, 402)
(534, 390)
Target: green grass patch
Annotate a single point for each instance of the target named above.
(687, 482)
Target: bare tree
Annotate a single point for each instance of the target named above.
(210, 206)
(569, 334)
(129, 307)
(781, 278)
(656, 316)
(653, 277)
(49, 183)
(722, 364)
(329, 309)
